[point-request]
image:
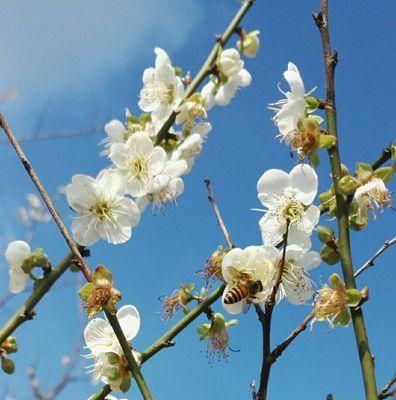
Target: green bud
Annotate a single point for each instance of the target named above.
(178, 71)
(329, 255)
(325, 234)
(126, 384)
(384, 173)
(312, 103)
(336, 282)
(353, 297)
(327, 141)
(7, 365)
(203, 331)
(364, 171)
(10, 345)
(356, 223)
(348, 185)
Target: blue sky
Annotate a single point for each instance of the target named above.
(79, 64)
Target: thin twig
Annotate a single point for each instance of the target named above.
(29, 169)
(207, 66)
(369, 263)
(383, 158)
(218, 215)
(330, 60)
(385, 393)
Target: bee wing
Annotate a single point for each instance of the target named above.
(246, 307)
(234, 272)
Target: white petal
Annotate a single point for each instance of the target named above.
(243, 79)
(80, 193)
(16, 253)
(235, 308)
(157, 160)
(305, 183)
(84, 229)
(309, 219)
(111, 184)
(226, 93)
(293, 77)
(99, 336)
(18, 281)
(272, 230)
(310, 260)
(273, 181)
(129, 319)
(115, 130)
(299, 238)
(236, 258)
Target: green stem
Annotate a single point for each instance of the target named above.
(207, 66)
(344, 247)
(165, 340)
(126, 348)
(25, 312)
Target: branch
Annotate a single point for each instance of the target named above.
(369, 263)
(218, 215)
(207, 66)
(383, 158)
(330, 61)
(25, 312)
(266, 320)
(45, 197)
(384, 393)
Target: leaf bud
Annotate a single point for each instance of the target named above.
(325, 234)
(7, 365)
(329, 255)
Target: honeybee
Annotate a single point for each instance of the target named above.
(245, 288)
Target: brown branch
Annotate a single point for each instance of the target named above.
(29, 169)
(385, 393)
(369, 263)
(218, 215)
(266, 320)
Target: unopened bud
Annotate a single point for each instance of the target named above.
(325, 234)
(7, 365)
(126, 384)
(10, 345)
(312, 103)
(329, 255)
(348, 185)
(249, 44)
(357, 222)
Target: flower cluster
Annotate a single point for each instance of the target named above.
(109, 363)
(146, 168)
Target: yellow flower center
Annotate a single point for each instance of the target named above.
(101, 209)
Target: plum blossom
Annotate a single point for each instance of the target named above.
(191, 112)
(288, 197)
(162, 88)
(109, 365)
(296, 285)
(103, 210)
(16, 254)
(373, 196)
(230, 63)
(137, 162)
(290, 111)
(191, 146)
(241, 266)
(249, 43)
(165, 187)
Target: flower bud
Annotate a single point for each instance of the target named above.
(230, 63)
(348, 185)
(7, 365)
(312, 103)
(327, 141)
(329, 255)
(357, 222)
(384, 173)
(325, 234)
(249, 43)
(10, 345)
(126, 384)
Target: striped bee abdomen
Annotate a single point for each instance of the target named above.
(237, 293)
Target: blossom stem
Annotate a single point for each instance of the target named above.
(31, 172)
(165, 340)
(330, 62)
(126, 348)
(25, 312)
(207, 66)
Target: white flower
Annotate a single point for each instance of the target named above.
(104, 212)
(191, 147)
(103, 344)
(249, 44)
(221, 93)
(189, 113)
(165, 187)
(138, 161)
(290, 111)
(288, 197)
(295, 285)
(230, 63)
(162, 88)
(373, 196)
(16, 254)
(241, 266)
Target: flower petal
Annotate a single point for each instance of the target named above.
(18, 281)
(272, 182)
(16, 253)
(129, 319)
(304, 182)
